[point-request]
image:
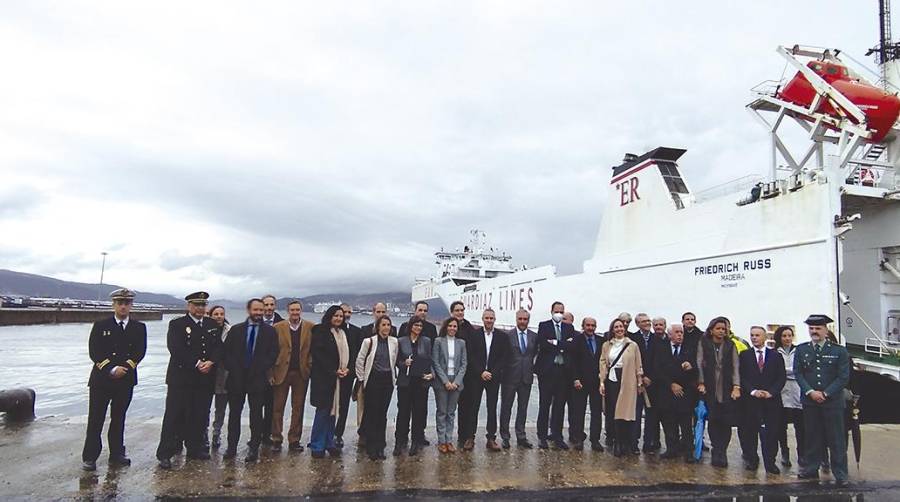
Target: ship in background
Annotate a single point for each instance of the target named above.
(819, 234)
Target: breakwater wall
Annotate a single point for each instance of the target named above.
(23, 317)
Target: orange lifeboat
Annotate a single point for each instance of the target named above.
(880, 108)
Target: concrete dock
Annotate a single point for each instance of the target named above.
(41, 460)
(29, 316)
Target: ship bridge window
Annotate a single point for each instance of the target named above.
(672, 177)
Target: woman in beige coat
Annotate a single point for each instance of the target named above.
(620, 383)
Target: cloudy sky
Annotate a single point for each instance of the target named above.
(312, 147)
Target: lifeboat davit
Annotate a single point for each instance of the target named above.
(880, 108)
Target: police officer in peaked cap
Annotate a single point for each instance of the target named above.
(822, 370)
(117, 345)
(194, 351)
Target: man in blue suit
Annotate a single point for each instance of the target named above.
(554, 387)
(762, 378)
(822, 370)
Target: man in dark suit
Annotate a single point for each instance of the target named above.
(762, 378)
(554, 385)
(464, 332)
(354, 341)
(194, 350)
(250, 352)
(822, 370)
(518, 377)
(692, 334)
(584, 370)
(647, 337)
(116, 346)
(421, 311)
(486, 357)
(270, 317)
(676, 377)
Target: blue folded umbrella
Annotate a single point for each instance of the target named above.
(700, 412)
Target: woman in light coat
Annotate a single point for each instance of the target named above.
(620, 383)
(790, 396)
(448, 356)
(375, 368)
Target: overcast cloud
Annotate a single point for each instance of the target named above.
(311, 147)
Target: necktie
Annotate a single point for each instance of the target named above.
(559, 358)
(251, 339)
(522, 345)
(591, 345)
(677, 348)
(200, 323)
(760, 360)
(122, 325)
(818, 348)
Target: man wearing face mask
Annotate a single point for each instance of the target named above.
(822, 370)
(554, 387)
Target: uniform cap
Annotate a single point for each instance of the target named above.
(818, 320)
(198, 298)
(122, 294)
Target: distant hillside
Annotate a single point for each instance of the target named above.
(21, 284)
(400, 299)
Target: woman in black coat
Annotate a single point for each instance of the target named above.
(720, 385)
(330, 355)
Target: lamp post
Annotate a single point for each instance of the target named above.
(102, 269)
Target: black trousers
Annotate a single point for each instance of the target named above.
(480, 388)
(100, 399)
(554, 390)
(268, 406)
(651, 422)
(761, 427)
(520, 393)
(221, 401)
(679, 429)
(621, 431)
(185, 417)
(792, 416)
(412, 405)
(344, 407)
(236, 401)
(379, 390)
(720, 437)
(578, 407)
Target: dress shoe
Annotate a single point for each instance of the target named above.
(252, 455)
(773, 469)
(89, 465)
(267, 441)
(424, 442)
(578, 446)
(318, 454)
(381, 456)
(841, 483)
(618, 450)
(398, 450)
(492, 445)
(230, 453)
(689, 459)
(505, 444)
(560, 445)
(596, 446)
(808, 476)
(450, 448)
(442, 448)
(339, 442)
(165, 464)
(119, 460)
(198, 455)
(668, 454)
(296, 446)
(414, 449)
(334, 452)
(276, 447)
(719, 462)
(524, 443)
(374, 456)
(542, 444)
(751, 466)
(635, 450)
(469, 445)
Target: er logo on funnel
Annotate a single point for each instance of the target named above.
(628, 191)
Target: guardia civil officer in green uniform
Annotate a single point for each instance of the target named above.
(194, 350)
(116, 346)
(822, 370)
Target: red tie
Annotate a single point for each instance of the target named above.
(760, 361)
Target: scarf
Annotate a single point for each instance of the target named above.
(343, 358)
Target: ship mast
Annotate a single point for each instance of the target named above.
(887, 53)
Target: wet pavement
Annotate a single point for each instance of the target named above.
(41, 460)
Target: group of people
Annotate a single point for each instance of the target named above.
(655, 376)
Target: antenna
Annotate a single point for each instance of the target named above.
(886, 50)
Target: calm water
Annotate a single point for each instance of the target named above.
(53, 360)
